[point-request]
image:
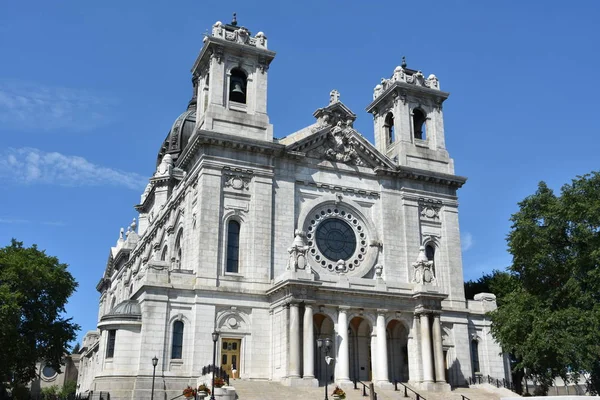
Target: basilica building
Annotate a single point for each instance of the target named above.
(276, 243)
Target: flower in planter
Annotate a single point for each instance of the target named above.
(339, 392)
(219, 382)
(189, 392)
(204, 388)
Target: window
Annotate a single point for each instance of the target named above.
(178, 250)
(110, 348)
(177, 347)
(430, 252)
(388, 127)
(475, 356)
(233, 246)
(163, 255)
(419, 128)
(237, 86)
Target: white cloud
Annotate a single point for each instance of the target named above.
(31, 166)
(28, 105)
(12, 220)
(466, 241)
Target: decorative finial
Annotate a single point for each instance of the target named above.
(403, 61)
(234, 20)
(334, 96)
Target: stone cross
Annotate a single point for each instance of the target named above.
(334, 96)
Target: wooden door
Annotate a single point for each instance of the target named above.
(230, 355)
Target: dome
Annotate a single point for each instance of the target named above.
(179, 135)
(128, 310)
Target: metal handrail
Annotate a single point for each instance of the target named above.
(465, 397)
(364, 387)
(406, 389)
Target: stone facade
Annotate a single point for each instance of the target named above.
(276, 243)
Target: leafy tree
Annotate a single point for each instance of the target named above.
(34, 289)
(549, 319)
(76, 349)
(499, 283)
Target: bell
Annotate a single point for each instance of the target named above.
(237, 93)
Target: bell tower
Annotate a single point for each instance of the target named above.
(231, 74)
(409, 122)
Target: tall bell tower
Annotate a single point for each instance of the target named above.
(409, 122)
(230, 76)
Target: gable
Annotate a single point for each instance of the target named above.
(340, 143)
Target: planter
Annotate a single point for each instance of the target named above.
(335, 397)
(225, 393)
(202, 395)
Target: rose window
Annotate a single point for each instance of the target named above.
(335, 234)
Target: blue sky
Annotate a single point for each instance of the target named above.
(88, 91)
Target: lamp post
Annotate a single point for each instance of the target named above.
(215, 338)
(325, 344)
(154, 364)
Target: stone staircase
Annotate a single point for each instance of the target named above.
(267, 390)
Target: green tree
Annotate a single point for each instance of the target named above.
(34, 289)
(549, 319)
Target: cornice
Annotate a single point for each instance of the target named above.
(424, 175)
(203, 137)
(401, 88)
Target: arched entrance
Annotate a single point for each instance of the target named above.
(323, 326)
(359, 337)
(397, 343)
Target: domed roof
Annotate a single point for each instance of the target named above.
(179, 135)
(128, 310)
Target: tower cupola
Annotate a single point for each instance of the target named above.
(231, 71)
(408, 118)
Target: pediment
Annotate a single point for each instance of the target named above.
(341, 143)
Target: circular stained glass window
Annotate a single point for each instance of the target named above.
(48, 372)
(335, 239)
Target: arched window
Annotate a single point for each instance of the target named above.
(475, 356)
(110, 345)
(419, 128)
(388, 127)
(233, 246)
(238, 82)
(430, 252)
(177, 347)
(163, 255)
(178, 250)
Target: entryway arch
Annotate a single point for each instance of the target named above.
(397, 344)
(359, 337)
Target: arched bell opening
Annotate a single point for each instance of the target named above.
(359, 338)
(419, 125)
(398, 351)
(323, 329)
(238, 83)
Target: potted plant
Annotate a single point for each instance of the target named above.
(203, 391)
(338, 393)
(219, 382)
(189, 392)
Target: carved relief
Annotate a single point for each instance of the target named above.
(430, 208)
(424, 273)
(237, 182)
(340, 146)
(297, 260)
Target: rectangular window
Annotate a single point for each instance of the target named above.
(110, 347)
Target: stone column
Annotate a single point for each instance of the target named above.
(438, 350)
(309, 343)
(426, 348)
(343, 355)
(382, 359)
(374, 371)
(294, 367)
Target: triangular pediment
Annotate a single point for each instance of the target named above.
(341, 143)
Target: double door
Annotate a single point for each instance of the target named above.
(230, 356)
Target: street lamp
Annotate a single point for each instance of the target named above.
(154, 364)
(325, 344)
(215, 338)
